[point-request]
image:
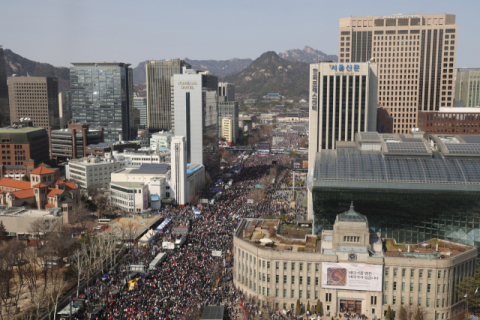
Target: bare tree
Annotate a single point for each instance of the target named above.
(56, 288)
(101, 199)
(81, 215)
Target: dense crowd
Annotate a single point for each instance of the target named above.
(290, 140)
(190, 277)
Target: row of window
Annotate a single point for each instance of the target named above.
(440, 288)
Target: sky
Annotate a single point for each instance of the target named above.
(63, 31)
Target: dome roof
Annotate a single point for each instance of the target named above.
(351, 216)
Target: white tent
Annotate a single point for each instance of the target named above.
(146, 237)
(265, 240)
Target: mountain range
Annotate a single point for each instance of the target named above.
(224, 68)
(16, 64)
(271, 73)
(290, 66)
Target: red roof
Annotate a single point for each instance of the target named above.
(49, 205)
(41, 170)
(59, 182)
(17, 184)
(24, 194)
(52, 192)
(70, 186)
(40, 185)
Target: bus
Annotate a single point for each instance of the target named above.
(103, 221)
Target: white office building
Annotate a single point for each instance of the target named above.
(90, 172)
(195, 115)
(343, 101)
(161, 140)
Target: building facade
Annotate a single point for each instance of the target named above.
(343, 102)
(416, 57)
(462, 121)
(227, 130)
(102, 96)
(195, 105)
(20, 144)
(140, 103)
(64, 111)
(348, 270)
(4, 105)
(161, 139)
(229, 109)
(412, 188)
(90, 172)
(226, 92)
(35, 98)
(72, 142)
(467, 87)
(159, 75)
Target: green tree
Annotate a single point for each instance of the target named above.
(308, 305)
(419, 315)
(466, 289)
(389, 313)
(318, 310)
(402, 314)
(298, 307)
(25, 178)
(3, 232)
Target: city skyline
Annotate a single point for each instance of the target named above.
(247, 29)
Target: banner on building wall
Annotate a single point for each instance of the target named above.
(349, 276)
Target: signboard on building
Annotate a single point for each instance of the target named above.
(349, 276)
(216, 253)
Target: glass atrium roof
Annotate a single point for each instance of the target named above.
(351, 216)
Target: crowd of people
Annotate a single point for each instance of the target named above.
(190, 277)
(290, 140)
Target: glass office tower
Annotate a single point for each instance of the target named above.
(410, 188)
(4, 106)
(102, 96)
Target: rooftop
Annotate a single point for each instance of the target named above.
(22, 212)
(41, 170)
(151, 168)
(431, 249)
(22, 135)
(128, 184)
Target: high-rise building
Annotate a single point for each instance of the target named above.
(229, 109)
(467, 87)
(64, 111)
(416, 58)
(195, 105)
(227, 130)
(140, 103)
(102, 96)
(179, 169)
(35, 98)
(159, 78)
(226, 92)
(343, 102)
(4, 106)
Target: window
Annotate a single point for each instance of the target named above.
(276, 293)
(293, 279)
(301, 266)
(301, 280)
(420, 287)
(438, 303)
(412, 273)
(439, 274)
(284, 266)
(277, 278)
(308, 266)
(316, 281)
(300, 294)
(428, 302)
(419, 301)
(420, 273)
(308, 281)
(395, 272)
(293, 266)
(429, 274)
(328, 297)
(386, 285)
(394, 300)
(403, 272)
(386, 271)
(316, 267)
(403, 286)
(277, 265)
(284, 293)
(316, 294)
(385, 300)
(373, 300)
(268, 277)
(285, 279)
(268, 264)
(402, 301)
(394, 286)
(292, 294)
(428, 287)
(263, 263)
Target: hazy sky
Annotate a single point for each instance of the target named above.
(63, 31)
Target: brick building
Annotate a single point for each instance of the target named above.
(450, 120)
(19, 144)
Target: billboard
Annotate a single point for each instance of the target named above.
(145, 197)
(352, 276)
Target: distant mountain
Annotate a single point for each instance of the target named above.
(307, 55)
(271, 73)
(21, 66)
(221, 68)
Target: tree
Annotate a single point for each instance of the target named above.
(3, 232)
(389, 313)
(420, 314)
(402, 313)
(298, 307)
(308, 305)
(466, 289)
(318, 308)
(25, 178)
